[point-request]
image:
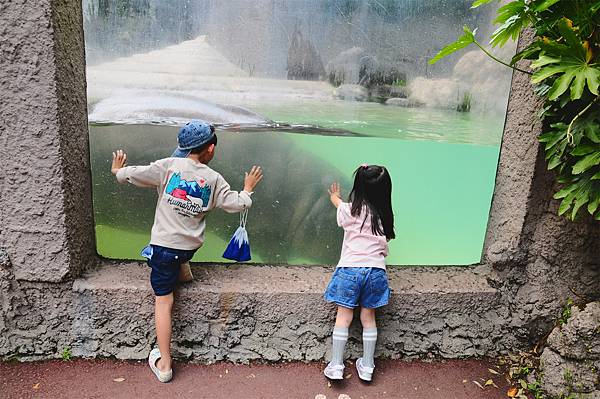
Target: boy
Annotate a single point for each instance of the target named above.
(187, 189)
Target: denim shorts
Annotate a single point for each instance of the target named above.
(353, 286)
(165, 263)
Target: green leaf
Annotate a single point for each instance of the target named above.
(586, 162)
(565, 191)
(527, 53)
(565, 204)
(593, 204)
(544, 60)
(460, 43)
(592, 75)
(544, 5)
(513, 17)
(507, 11)
(584, 149)
(561, 85)
(545, 73)
(554, 161)
(596, 176)
(588, 126)
(568, 200)
(508, 30)
(478, 3)
(580, 201)
(572, 40)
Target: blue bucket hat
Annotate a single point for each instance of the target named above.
(192, 135)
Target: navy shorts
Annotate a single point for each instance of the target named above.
(353, 286)
(165, 263)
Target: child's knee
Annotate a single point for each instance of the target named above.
(344, 315)
(164, 300)
(367, 316)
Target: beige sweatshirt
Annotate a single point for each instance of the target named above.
(187, 190)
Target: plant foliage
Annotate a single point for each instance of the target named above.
(565, 67)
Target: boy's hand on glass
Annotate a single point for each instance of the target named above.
(252, 178)
(335, 194)
(119, 160)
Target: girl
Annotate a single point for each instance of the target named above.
(360, 278)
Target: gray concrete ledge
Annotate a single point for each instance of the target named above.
(241, 313)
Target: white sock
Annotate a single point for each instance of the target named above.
(340, 337)
(369, 341)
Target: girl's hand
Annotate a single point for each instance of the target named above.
(334, 190)
(252, 178)
(335, 194)
(119, 160)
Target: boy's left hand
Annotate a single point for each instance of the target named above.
(119, 160)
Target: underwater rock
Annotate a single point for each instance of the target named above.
(351, 92)
(346, 66)
(399, 102)
(303, 62)
(139, 105)
(436, 93)
(485, 82)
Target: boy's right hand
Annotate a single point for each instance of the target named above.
(119, 160)
(252, 178)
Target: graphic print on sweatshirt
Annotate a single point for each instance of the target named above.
(187, 198)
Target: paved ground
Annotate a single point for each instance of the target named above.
(115, 379)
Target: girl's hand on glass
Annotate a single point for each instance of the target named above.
(252, 178)
(335, 194)
(334, 190)
(119, 160)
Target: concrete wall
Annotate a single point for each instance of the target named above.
(45, 201)
(55, 293)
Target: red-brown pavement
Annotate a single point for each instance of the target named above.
(120, 379)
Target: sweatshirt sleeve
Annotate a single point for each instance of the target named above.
(228, 200)
(143, 176)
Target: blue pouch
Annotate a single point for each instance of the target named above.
(239, 246)
(147, 252)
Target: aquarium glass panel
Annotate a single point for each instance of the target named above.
(309, 90)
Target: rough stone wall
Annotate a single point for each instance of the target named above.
(69, 48)
(45, 201)
(35, 317)
(241, 313)
(537, 259)
(571, 361)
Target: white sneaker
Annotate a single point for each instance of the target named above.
(364, 373)
(334, 371)
(163, 376)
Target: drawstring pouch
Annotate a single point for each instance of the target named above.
(239, 246)
(147, 252)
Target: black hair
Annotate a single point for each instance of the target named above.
(204, 146)
(373, 189)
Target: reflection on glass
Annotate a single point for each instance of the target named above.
(309, 90)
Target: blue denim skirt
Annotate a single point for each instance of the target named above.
(358, 286)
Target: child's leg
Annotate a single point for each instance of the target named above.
(162, 317)
(340, 334)
(367, 319)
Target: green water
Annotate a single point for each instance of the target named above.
(442, 165)
(377, 120)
